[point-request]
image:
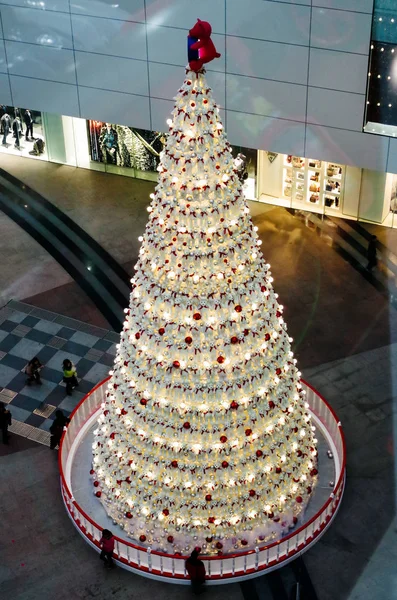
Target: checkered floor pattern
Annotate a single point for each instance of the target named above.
(25, 332)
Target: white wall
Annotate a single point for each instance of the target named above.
(292, 76)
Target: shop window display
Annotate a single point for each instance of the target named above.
(314, 182)
(21, 132)
(125, 147)
(245, 163)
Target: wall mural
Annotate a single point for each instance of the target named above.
(125, 146)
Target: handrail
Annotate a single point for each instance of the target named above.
(324, 516)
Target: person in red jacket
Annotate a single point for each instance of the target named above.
(196, 570)
(107, 545)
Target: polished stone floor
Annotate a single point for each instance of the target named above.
(345, 331)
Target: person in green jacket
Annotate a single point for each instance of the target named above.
(69, 376)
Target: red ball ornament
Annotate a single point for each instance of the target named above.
(186, 425)
(219, 545)
(208, 497)
(238, 308)
(166, 512)
(128, 515)
(234, 340)
(244, 542)
(278, 470)
(252, 493)
(161, 331)
(188, 339)
(234, 405)
(271, 404)
(174, 464)
(197, 316)
(142, 538)
(259, 453)
(278, 314)
(92, 471)
(170, 539)
(263, 288)
(223, 439)
(143, 401)
(248, 432)
(211, 519)
(267, 337)
(309, 489)
(137, 336)
(278, 371)
(313, 472)
(98, 494)
(225, 464)
(299, 499)
(176, 364)
(209, 539)
(96, 483)
(220, 359)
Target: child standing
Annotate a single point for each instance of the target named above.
(107, 545)
(69, 376)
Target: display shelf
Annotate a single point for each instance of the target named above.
(334, 176)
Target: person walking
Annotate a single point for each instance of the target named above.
(196, 570)
(56, 429)
(371, 253)
(107, 545)
(29, 125)
(5, 422)
(33, 371)
(69, 376)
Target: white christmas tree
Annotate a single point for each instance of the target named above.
(204, 438)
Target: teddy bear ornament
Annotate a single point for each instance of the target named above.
(201, 48)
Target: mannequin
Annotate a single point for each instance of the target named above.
(17, 131)
(240, 165)
(29, 125)
(5, 127)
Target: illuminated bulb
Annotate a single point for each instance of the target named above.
(169, 122)
(140, 239)
(254, 306)
(149, 209)
(174, 180)
(247, 356)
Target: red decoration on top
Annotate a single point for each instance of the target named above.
(205, 46)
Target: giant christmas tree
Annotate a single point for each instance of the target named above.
(204, 438)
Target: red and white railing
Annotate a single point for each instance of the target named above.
(220, 569)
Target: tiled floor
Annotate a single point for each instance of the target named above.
(25, 332)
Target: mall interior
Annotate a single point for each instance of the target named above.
(307, 91)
